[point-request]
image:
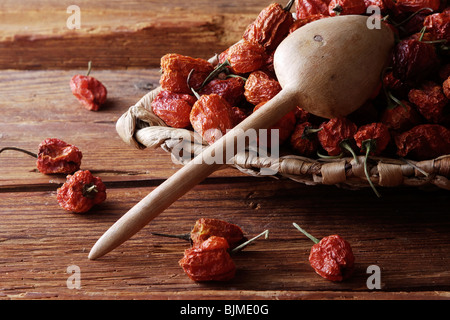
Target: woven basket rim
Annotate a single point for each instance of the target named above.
(140, 128)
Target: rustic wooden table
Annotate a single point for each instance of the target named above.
(406, 233)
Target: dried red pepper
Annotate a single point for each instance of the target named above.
(205, 228)
(244, 57)
(81, 192)
(345, 7)
(231, 89)
(414, 60)
(260, 87)
(89, 91)
(304, 139)
(423, 142)
(414, 5)
(57, 156)
(336, 135)
(430, 101)
(306, 8)
(304, 21)
(332, 257)
(210, 261)
(372, 139)
(438, 25)
(176, 69)
(54, 156)
(211, 116)
(173, 108)
(401, 117)
(285, 127)
(271, 26)
(446, 88)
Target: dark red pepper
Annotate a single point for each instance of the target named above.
(81, 192)
(372, 139)
(89, 91)
(304, 139)
(332, 257)
(425, 141)
(336, 135)
(54, 156)
(57, 156)
(205, 228)
(413, 61)
(209, 261)
(401, 117)
(173, 108)
(430, 101)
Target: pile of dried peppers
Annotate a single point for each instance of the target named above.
(407, 116)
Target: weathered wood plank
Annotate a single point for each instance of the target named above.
(405, 234)
(37, 105)
(34, 34)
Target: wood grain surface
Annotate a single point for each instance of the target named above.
(405, 233)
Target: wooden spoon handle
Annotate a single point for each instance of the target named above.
(190, 175)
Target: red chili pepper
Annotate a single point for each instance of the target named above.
(430, 101)
(211, 116)
(307, 8)
(54, 156)
(414, 5)
(244, 57)
(438, 25)
(210, 261)
(372, 138)
(414, 60)
(205, 228)
(81, 192)
(304, 21)
(336, 135)
(57, 156)
(446, 87)
(173, 108)
(424, 142)
(401, 117)
(345, 7)
(304, 139)
(176, 69)
(271, 26)
(231, 89)
(285, 126)
(332, 257)
(260, 87)
(88, 90)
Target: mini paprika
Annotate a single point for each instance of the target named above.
(332, 257)
(81, 192)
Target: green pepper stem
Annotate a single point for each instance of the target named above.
(192, 89)
(34, 155)
(218, 69)
(369, 145)
(240, 247)
(330, 157)
(89, 191)
(313, 239)
(346, 146)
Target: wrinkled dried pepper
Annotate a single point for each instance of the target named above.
(260, 87)
(211, 116)
(304, 139)
(336, 135)
(431, 102)
(81, 192)
(173, 108)
(271, 26)
(423, 142)
(89, 91)
(332, 257)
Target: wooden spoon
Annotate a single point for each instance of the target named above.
(329, 67)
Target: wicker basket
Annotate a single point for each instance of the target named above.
(141, 128)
